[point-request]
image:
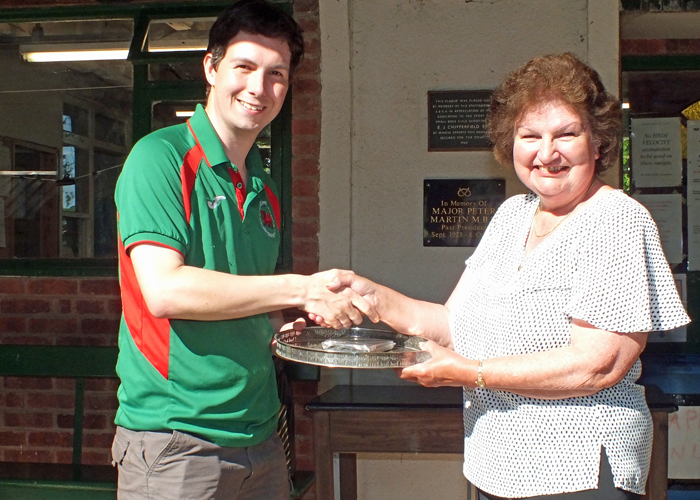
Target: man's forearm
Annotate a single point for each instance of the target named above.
(200, 294)
(172, 289)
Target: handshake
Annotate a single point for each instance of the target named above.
(339, 299)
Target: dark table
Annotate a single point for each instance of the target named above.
(413, 419)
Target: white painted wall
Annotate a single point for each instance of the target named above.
(379, 60)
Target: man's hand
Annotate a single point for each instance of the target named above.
(287, 331)
(360, 290)
(339, 307)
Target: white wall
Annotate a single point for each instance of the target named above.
(379, 60)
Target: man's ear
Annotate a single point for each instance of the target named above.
(209, 69)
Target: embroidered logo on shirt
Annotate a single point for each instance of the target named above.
(215, 202)
(267, 222)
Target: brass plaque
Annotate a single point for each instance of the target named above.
(457, 211)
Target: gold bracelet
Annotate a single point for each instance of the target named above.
(480, 379)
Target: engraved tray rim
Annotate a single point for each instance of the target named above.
(371, 360)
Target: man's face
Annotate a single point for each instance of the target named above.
(249, 86)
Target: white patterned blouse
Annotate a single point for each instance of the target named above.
(604, 265)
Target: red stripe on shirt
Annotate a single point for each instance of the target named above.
(198, 143)
(237, 180)
(150, 334)
(188, 174)
(275, 205)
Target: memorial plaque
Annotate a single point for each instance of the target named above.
(457, 211)
(457, 120)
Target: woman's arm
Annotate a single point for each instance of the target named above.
(595, 360)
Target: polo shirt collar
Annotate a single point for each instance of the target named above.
(211, 145)
(207, 137)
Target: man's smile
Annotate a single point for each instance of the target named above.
(250, 106)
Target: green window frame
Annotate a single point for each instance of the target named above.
(146, 92)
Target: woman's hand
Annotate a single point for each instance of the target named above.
(444, 368)
(336, 306)
(352, 286)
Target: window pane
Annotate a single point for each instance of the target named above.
(76, 119)
(81, 111)
(166, 35)
(166, 113)
(180, 71)
(264, 141)
(662, 99)
(76, 164)
(72, 233)
(660, 93)
(29, 200)
(110, 130)
(108, 166)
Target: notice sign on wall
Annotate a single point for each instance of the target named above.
(693, 198)
(684, 443)
(457, 211)
(457, 120)
(656, 152)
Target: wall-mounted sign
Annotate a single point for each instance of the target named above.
(684, 443)
(457, 211)
(656, 152)
(457, 120)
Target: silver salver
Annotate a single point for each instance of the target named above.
(307, 346)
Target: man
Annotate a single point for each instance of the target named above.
(199, 235)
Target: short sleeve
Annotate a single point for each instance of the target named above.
(622, 280)
(149, 196)
(497, 236)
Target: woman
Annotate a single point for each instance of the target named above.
(545, 327)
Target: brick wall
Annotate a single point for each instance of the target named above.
(306, 146)
(36, 415)
(306, 142)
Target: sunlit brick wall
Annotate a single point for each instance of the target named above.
(36, 414)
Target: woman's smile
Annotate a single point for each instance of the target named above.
(552, 169)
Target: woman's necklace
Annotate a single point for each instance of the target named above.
(534, 230)
(534, 218)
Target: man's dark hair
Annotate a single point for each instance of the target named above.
(257, 17)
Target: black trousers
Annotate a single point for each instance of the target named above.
(606, 489)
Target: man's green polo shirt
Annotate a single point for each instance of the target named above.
(214, 379)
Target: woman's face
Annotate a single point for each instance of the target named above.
(554, 154)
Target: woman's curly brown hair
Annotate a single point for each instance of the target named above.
(559, 77)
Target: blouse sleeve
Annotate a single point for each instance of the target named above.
(622, 281)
